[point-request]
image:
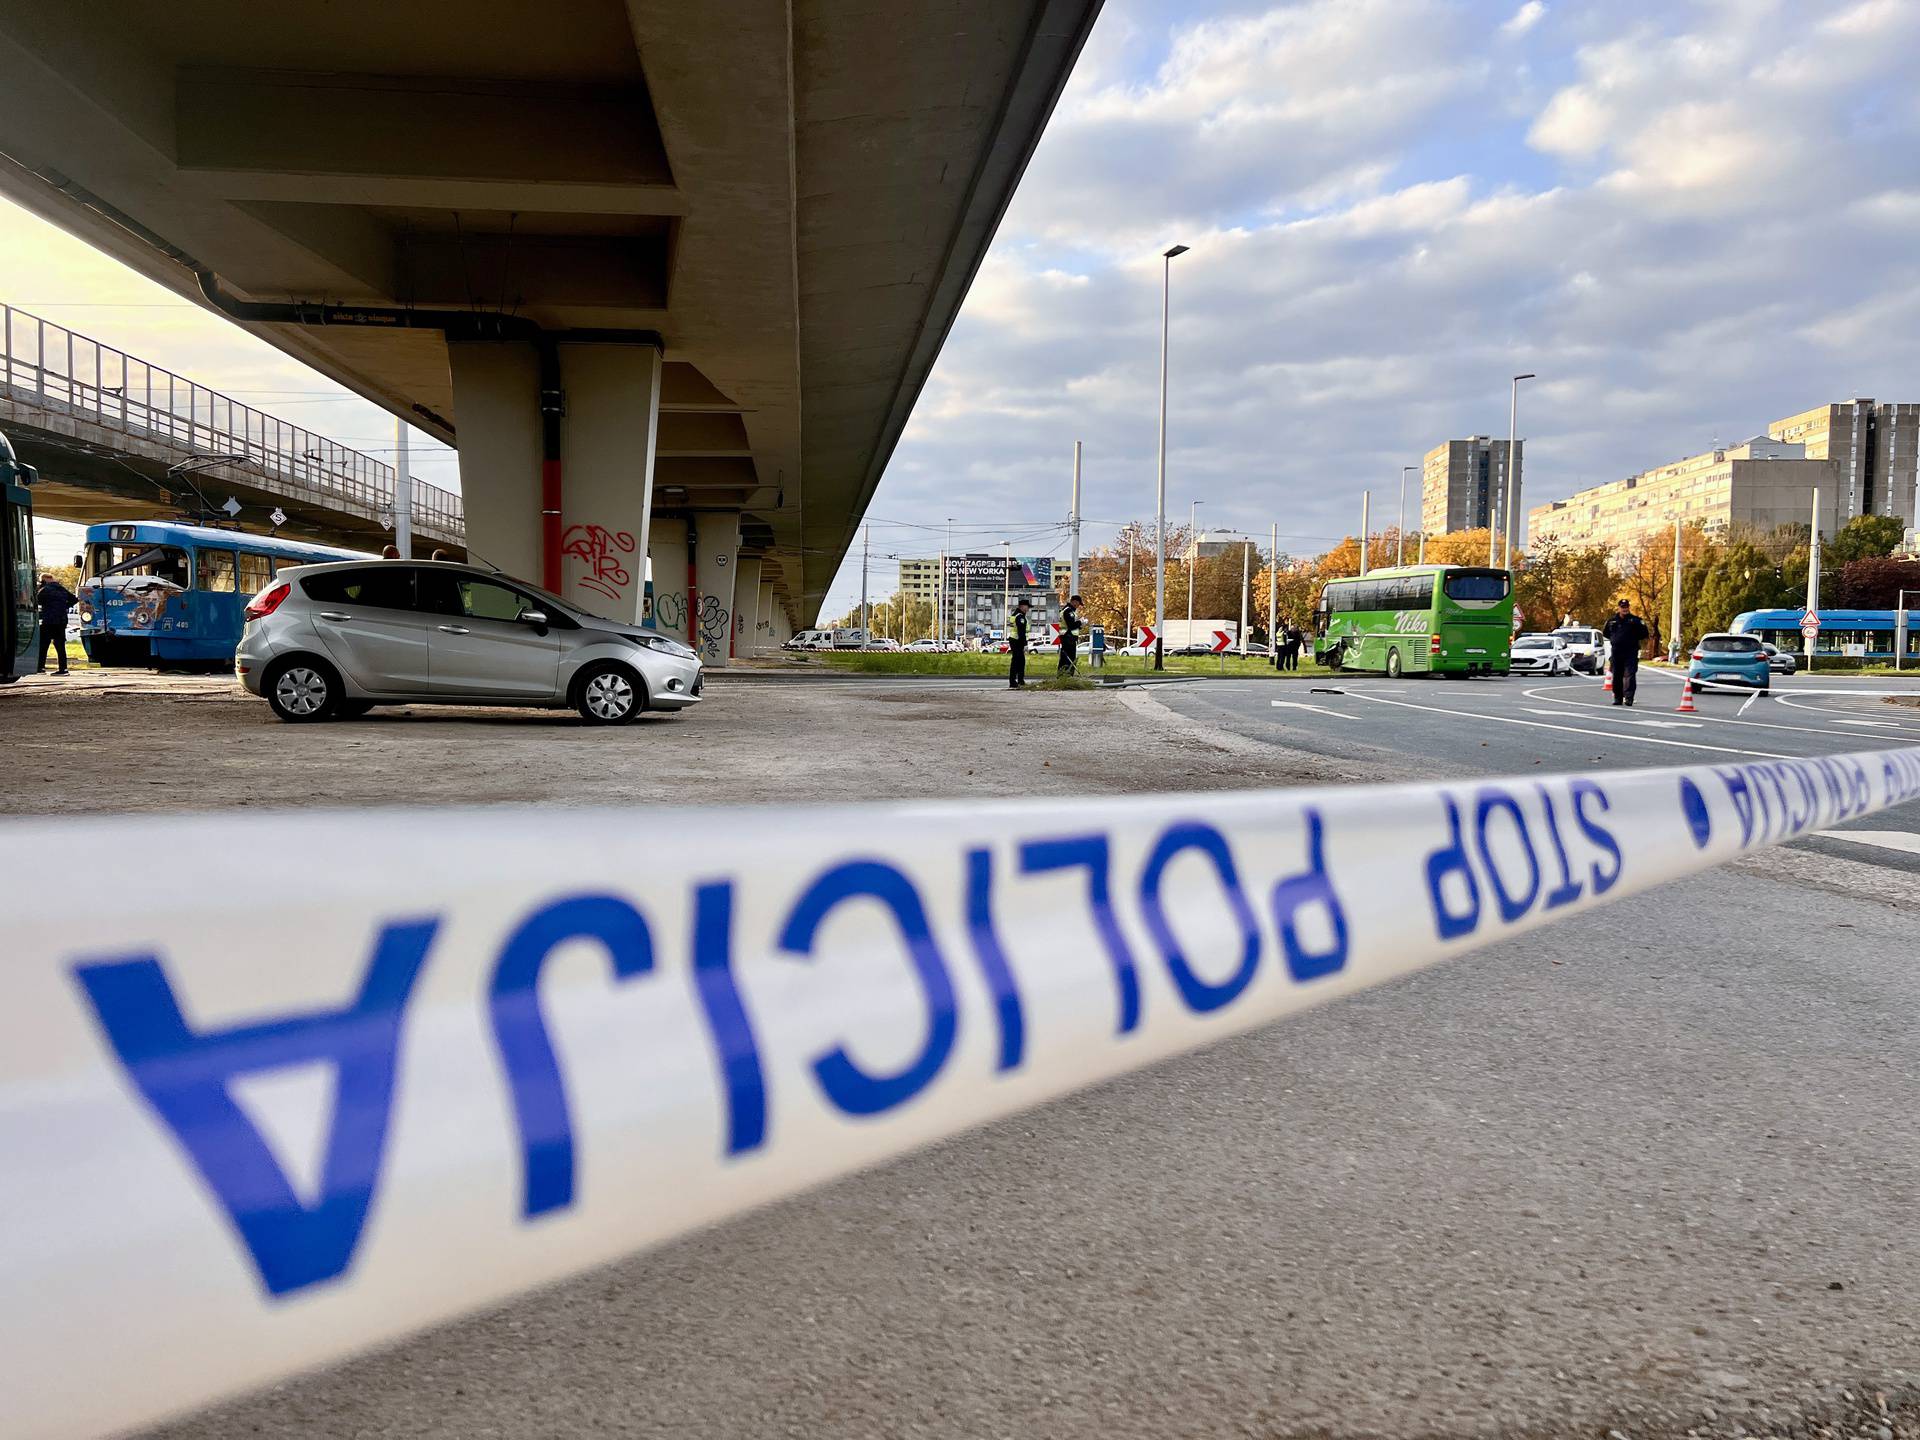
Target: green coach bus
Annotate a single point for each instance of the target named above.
(1420, 619)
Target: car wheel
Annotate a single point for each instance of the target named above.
(301, 690)
(608, 695)
(1393, 662)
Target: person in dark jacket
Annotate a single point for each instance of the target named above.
(1626, 632)
(55, 601)
(1017, 645)
(1070, 637)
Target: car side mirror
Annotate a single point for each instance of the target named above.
(535, 618)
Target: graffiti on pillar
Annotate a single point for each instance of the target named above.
(600, 549)
(716, 623)
(670, 611)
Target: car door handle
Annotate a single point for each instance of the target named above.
(455, 630)
(335, 615)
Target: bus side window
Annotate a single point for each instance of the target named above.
(215, 571)
(256, 573)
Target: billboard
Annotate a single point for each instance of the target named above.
(1024, 572)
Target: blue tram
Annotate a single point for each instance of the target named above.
(1862, 634)
(163, 594)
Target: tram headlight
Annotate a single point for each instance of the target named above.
(86, 614)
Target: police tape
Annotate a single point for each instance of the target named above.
(285, 1088)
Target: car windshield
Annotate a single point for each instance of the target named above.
(1576, 637)
(1730, 645)
(1533, 642)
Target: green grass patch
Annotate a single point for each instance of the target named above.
(881, 662)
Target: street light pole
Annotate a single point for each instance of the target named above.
(1160, 489)
(1246, 557)
(1513, 473)
(1273, 586)
(1366, 499)
(866, 546)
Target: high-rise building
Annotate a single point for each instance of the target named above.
(1870, 448)
(1463, 484)
(1859, 454)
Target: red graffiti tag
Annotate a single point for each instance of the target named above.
(600, 548)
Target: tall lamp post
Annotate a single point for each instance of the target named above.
(1160, 489)
(1400, 551)
(1505, 538)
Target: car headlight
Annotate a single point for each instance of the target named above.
(665, 645)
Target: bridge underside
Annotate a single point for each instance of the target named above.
(793, 196)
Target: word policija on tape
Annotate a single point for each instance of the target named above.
(243, 1136)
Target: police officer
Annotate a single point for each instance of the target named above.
(55, 601)
(1017, 645)
(1070, 637)
(1626, 632)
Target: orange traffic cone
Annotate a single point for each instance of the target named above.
(1607, 682)
(1685, 707)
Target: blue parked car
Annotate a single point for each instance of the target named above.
(1730, 660)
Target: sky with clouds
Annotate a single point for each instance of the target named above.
(1690, 217)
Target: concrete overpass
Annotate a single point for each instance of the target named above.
(107, 430)
(670, 276)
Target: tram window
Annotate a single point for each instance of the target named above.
(216, 571)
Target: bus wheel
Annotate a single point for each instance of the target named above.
(301, 690)
(1393, 662)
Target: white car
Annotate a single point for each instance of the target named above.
(1586, 646)
(1541, 655)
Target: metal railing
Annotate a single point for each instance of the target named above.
(45, 364)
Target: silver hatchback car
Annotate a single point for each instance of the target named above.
(335, 640)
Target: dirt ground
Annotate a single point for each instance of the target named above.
(105, 741)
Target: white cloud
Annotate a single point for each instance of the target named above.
(1524, 19)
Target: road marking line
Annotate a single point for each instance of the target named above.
(1716, 719)
(1877, 724)
(1627, 719)
(1317, 709)
(1577, 730)
(1903, 840)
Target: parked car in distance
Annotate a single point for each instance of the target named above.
(884, 642)
(1781, 662)
(810, 640)
(1586, 647)
(334, 640)
(1723, 659)
(1541, 655)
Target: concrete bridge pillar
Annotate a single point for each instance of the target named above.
(667, 547)
(763, 631)
(716, 550)
(612, 399)
(746, 605)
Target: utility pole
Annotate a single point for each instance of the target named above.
(946, 559)
(1508, 531)
(1423, 549)
(1006, 592)
(402, 493)
(1246, 555)
(1160, 490)
(1273, 585)
(1193, 560)
(1673, 635)
(1400, 556)
(1073, 584)
(1366, 498)
(1813, 579)
(866, 546)
(1130, 630)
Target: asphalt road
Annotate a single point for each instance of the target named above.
(1652, 1170)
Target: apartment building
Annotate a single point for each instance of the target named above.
(1859, 454)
